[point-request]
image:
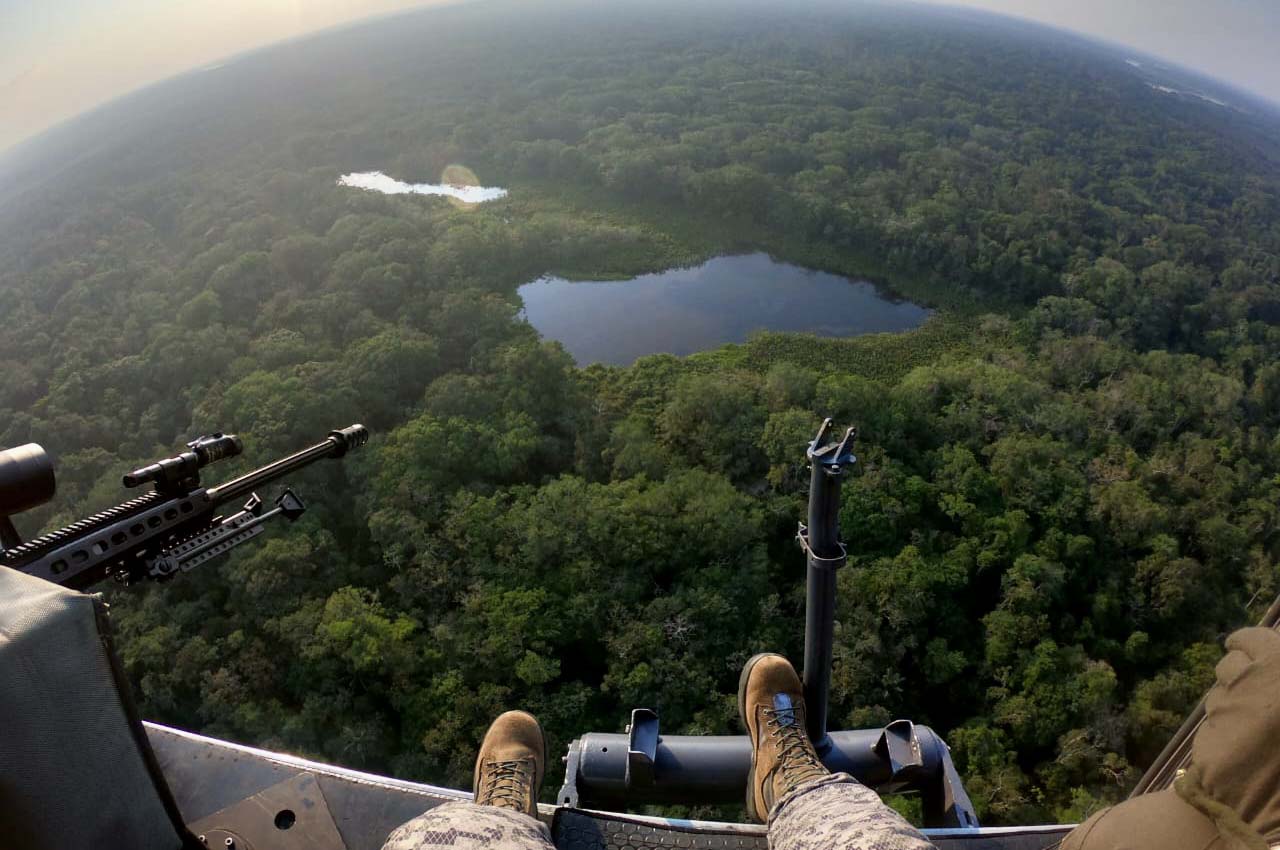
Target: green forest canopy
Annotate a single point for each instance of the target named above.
(1069, 479)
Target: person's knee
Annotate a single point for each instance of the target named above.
(1161, 821)
(1229, 797)
(1234, 750)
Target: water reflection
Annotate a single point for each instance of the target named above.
(725, 299)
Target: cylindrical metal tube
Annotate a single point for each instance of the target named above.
(246, 484)
(705, 768)
(824, 510)
(819, 628)
(823, 557)
(26, 479)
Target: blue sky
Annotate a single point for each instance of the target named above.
(60, 57)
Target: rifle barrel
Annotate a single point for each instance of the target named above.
(336, 445)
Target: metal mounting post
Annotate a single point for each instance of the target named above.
(9, 537)
(824, 554)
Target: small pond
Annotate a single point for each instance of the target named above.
(376, 181)
(725, 299)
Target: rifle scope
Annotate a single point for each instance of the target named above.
(26, 479)
(175, 470)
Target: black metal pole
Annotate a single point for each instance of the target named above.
(705, 768)
(824, 554)
(713, 769)
(820, 612)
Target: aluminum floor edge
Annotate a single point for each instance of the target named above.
(207, 775)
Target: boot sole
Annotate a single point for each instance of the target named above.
(742, 716)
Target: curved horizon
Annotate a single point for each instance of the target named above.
(40, 97)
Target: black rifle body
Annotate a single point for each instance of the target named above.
(131, 540)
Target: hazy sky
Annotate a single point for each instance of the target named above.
(1234, 40)
(59, 57)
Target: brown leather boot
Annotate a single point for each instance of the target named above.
(771, 705)
(511, 762)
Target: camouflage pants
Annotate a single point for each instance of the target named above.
(835, 812)
(838, 812)
(466, 826)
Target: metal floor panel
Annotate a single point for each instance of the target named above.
(207, 775)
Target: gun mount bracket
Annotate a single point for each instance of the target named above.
(817, 560)
(642, 748)
(568, 793)
(900, 747)
(832, 455)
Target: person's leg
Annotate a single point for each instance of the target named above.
(1160, 821)
(806, 806)
(468, 826)
(503, 816)
(1235, 762)
(838, 811)
(1229, 797)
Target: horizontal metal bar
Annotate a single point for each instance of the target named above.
(714, 768)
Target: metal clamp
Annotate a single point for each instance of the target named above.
(642, 748)
(899, 746)
(568, 793)
(817, 560)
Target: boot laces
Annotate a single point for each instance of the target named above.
(796, 755)
(506, 784)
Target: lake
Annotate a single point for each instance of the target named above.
(725, 299)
